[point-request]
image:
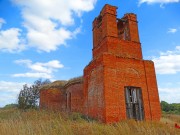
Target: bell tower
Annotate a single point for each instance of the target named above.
(110, 34)
(118, 83)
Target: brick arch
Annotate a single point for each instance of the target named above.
(132, 72)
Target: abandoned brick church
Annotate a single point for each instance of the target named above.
(117, 84)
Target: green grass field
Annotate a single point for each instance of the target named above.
(33, 122)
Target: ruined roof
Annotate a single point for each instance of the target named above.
(74, 81)
(62, 84)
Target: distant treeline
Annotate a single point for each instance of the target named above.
(173, 108)
(10, 106)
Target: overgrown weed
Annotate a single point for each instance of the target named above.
(40, 122)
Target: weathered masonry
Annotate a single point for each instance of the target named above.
(117, 84)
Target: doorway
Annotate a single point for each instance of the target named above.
(68, 101)
(134, 103)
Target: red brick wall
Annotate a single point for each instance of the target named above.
(52, 99)
(152, 90)
(76, 91)
(132, 26)
(118, 47)
(121, 72)
(93, 90)
(104, 26)
(56, 98)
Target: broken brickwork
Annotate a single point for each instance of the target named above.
(117, 84)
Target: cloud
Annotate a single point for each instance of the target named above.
(11, 41)
(48, 22)
(39, 70)
(9, 92)
(158, 1)
(10, 86)
(34, 75)
(168, 62)
(170, 95)
(1, 22)
(172, 30)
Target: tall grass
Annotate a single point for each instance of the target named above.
(33, 122)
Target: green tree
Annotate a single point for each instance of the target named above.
(29, 96)
(165, 106)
